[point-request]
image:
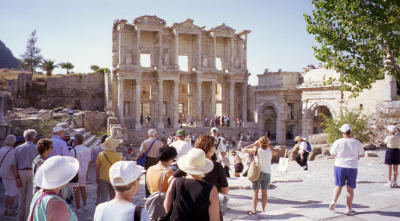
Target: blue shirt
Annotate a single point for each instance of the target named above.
(59, 147)
(24, 155)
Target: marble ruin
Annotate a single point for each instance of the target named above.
(172, 72)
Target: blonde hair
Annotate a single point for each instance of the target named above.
(263, 142)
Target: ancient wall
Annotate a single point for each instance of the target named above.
(368, 99)
(387, 113)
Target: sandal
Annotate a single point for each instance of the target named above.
(251, 213)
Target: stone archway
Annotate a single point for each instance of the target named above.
(317, 125)
(270, 121)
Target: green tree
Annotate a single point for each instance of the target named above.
(104, 70)
(358, 38)
(48, 66)
(31, 58)
(95, 68)
(67, 66)
(357, 120)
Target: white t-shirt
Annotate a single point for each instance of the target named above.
(221, 148)
(302, 146)
(181, 147)
(117, 211)
(84, 156)
(5, 169)
(347, 151)
(392, 141)
(265, 157)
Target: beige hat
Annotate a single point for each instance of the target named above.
(56, 172)
(110, 144)
(298, 138)
(195, 162)
(124, 172)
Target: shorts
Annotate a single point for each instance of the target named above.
(263, 181)
(81, 182)
(239, 168)
(392, 156)
(345, 176)
(10, 187)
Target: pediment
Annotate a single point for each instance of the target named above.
(188, 24)
(149, 20)
(224, 29)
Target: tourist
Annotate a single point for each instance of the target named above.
(181, 146)
(392, 156)
(141, 119)
(302, 156)
(263, 155)
(59, 145)
(190, 197)
(94, 154)
(238, 165)
(169, 121)
(51, 177)
(83, 155)
(347, 151)
(7, 175)
(150, 147)
(24, 155)
(124, 178)
(191, 121)
(44, 147)
(103, 163)
(166, 156)
(220, 153)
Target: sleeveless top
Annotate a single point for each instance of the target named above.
(195, 199)
(40, 210)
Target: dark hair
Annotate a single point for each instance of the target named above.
(124, 188)
(166, 153)
(205, 142)
(44, 144)
(79, 138)
(348, 133)
(103, 138)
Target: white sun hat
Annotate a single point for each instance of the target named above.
(57, 129)
(345, 127)
(124, 172)
(392, 128)
(195, 162)
(214, 129)
(56, 172)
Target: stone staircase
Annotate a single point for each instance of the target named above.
(90, 140)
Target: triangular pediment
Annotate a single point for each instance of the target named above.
(149, 20)
(188, 25)
(224, 29)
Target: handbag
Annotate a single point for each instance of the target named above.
(76, 178)
(155, 202)
(142, 160)
(171, 213)
(254, 169)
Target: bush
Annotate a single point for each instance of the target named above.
(355, 118)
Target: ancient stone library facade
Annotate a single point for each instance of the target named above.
(184, 70)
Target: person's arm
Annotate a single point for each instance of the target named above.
(252, 145)
(98, 167)
(168, 198)
(361, 153)
(56, 210)
(141, 152)
(251, 150)
(213, 209)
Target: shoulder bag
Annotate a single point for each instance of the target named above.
(155, 202)
(254, 169)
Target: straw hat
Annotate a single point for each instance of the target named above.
(110, 144)
(56, 172)
(195, 162)
(345, 128)
(124, 172)
(298, 138)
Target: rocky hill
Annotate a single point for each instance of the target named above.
(7, 59)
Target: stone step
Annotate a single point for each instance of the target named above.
(87, 142)
(86, 134)
(95, 143)
(79, 130)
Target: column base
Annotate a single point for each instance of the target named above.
(138, 126)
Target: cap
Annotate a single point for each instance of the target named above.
(124, 172)
(345, 128)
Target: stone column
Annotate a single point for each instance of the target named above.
(213, 98)
(138, 103)
(160, 60)
(138, 43)
(245, 54)
(198, 62)
(232, 103)
(199, 122)
(214, 51)
(121, 99)
(390, 90)
(175, 104)
(231, 58)
(120, 48)
(176, 50)
(244, 104)
(160, 123)
(281, 123)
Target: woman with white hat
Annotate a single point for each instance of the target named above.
(104, 161)
(124, 177)
(190, 197)
(392, 156)
(51, 177)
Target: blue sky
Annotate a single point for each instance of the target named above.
(79, 31)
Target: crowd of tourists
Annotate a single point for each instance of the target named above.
(184, 180)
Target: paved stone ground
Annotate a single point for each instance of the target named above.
(300, 195)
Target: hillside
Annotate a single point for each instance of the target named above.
(7, 59)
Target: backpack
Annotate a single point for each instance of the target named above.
(308, 148)
(154, 203)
